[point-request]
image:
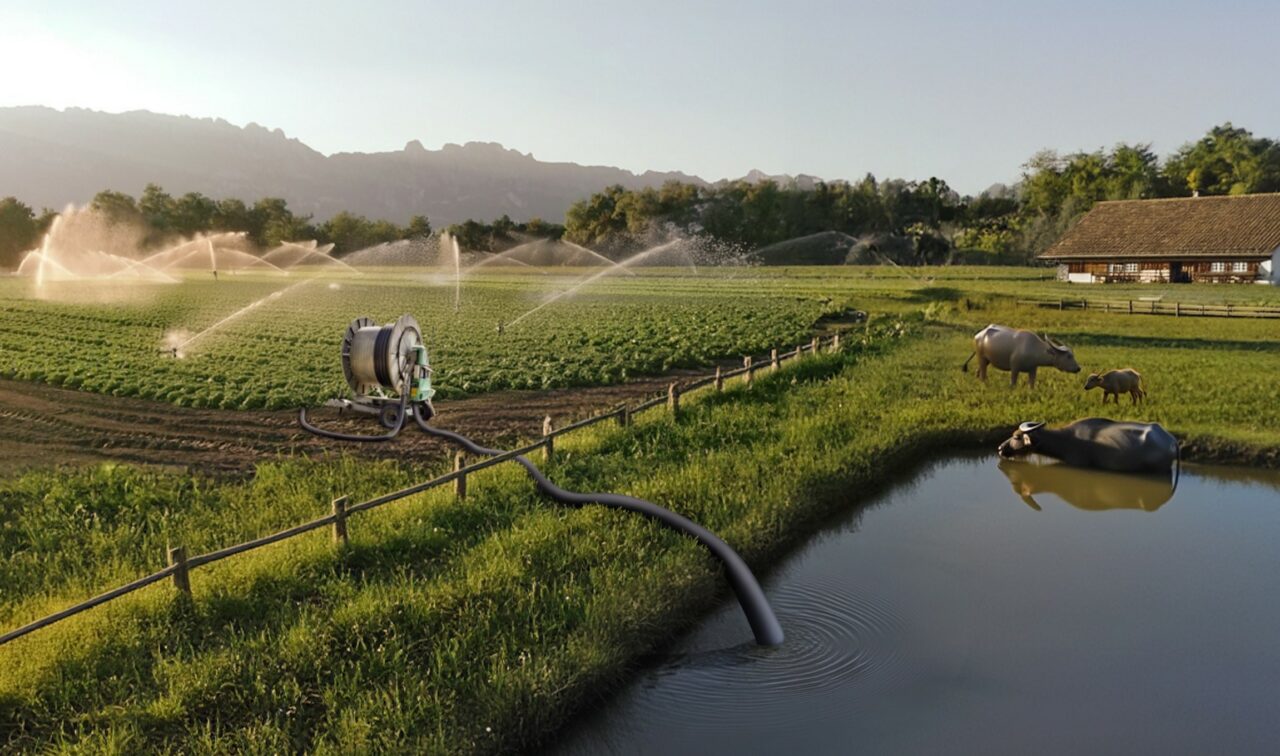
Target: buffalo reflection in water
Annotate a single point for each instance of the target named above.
(1092, 490)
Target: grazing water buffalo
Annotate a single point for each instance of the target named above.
(1099, 443)
(1092, 490)
(1117, 382)
(1018, 351)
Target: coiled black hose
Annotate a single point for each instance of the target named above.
(764, 624)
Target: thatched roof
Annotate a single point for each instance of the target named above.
(1243, 226)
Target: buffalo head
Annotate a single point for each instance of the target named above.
(1093, 381)
(1063, 358)
(1021, 442)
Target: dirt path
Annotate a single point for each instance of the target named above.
(43, 426)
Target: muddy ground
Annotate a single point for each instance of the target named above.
(44, 426)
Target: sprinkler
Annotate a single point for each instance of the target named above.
(389, 375)
(386, 368)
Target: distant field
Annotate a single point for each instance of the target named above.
(283, 351)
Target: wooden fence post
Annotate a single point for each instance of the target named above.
(624, 416)
(1228, 309)
(813, 345)
(673, 398)
(773, 359)
(1059, 304)
(340, 520)
(719, 382)
(178, 561)
(1177, 309)
(835, 342)
(550, 445)
(746, 363)
(1130, 306)
(460, 482)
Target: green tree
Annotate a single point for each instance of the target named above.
(18, 231)
(116, 207)
(1227, 160)
(157, 208)
(419, 226)
(193, 213)
(233, 215)
(273, 223)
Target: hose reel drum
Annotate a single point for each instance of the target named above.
(377, 357)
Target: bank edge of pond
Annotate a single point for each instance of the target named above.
(829, 500)
(833, 504)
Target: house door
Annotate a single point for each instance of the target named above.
(1177, 275)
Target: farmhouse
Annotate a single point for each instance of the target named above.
(1217, 239)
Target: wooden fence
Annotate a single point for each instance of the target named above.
(180, 565)
(1152, 306)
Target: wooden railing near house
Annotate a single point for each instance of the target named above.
(1155, 306)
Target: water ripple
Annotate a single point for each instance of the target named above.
(836, 641)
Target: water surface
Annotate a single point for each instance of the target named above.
(985, 607)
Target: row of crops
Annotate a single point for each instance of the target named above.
(284, 352)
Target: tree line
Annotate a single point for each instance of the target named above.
(932, 222)
(501, 233)
(163, 217)
(920, 221)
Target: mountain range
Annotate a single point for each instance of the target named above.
(49, 158)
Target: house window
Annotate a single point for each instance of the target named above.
(1239, 267)
(1130, 267)
(1218, 267)
(1115, 268)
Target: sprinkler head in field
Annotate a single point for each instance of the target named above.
(387, 369)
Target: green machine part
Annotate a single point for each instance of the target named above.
(421, 390)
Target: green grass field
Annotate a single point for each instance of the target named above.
(481, 627)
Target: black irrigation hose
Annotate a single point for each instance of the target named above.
(404, 408)
(764, 624)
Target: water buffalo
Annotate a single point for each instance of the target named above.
(1092, 490)
(1116, 382)
(1018, 351)
(1099, 443)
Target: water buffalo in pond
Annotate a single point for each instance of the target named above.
(1091, 490)
(1018, 351)
(1099, 443)
(1116, 382)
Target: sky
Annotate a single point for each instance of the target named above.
(966, 91)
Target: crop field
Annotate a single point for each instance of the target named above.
(282, 350)
(485, 626)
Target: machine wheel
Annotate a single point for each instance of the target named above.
(389, 416)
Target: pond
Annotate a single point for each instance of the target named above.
(984, 606)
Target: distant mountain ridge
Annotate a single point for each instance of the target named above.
(49, 158)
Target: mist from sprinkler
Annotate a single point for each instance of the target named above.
(624, 266)
(178, 347)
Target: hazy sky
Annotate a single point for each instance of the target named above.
(963, 90)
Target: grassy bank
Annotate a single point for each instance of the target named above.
(482, 626)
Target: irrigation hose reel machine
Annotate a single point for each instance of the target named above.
(387, 368)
